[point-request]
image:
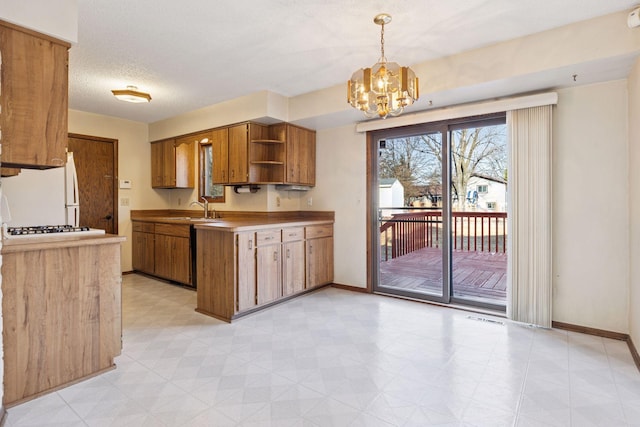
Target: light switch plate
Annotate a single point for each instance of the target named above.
(125, 183)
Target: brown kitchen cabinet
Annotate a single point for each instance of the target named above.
(319, 254)
(7, 172)
(173, 163)
(61, 310)
(241, 271)
(300, 153)
(293, 261)
(268, 266)
(240, 150)
(173, 252)
(246, 297)
(220, 155)
(163, 250)
(34, 99)
(143, 247)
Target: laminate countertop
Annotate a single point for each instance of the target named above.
(236, 223)
(63, 240)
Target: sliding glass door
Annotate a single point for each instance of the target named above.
(410, 215)
(438, 211)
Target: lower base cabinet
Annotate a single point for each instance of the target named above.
(62, 314)
(238, 272)
(319, 248)
(162, 250)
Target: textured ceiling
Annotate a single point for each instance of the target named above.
(195, 53)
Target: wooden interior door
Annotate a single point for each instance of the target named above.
(97, 168)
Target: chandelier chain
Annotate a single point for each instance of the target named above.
(382, 57)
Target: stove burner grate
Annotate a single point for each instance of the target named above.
(44, 229)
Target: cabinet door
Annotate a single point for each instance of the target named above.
(246, 265)
(220, 155)
(268, 273)
(238, 154)
(163, 168)
(180, 260)
(34, 101)
(301, 156)
(293, 266)
(162, 248)
(168, 163)
(319, 261)
(143, 252)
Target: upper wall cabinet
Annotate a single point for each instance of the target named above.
(33, 98)
(237, 167)
(300, 149)
(173, 163)
(258, 154)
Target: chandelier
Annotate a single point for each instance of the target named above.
(384, 89)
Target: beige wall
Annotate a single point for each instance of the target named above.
(634, 204)
(341, 187)
(590, 207)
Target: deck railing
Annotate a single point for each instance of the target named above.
(406, 232)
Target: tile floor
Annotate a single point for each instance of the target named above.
(339, 358)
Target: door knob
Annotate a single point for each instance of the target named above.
(108, 217)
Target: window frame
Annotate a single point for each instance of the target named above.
(202, 155)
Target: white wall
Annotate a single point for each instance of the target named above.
(590, 207)
(634, 204)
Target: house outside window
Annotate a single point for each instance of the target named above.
(483, 189)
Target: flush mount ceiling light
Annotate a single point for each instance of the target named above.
(131, 94)
(384, 89)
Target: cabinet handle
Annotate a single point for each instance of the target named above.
(268, 238)
(275, 255)
(310, 248)
(288, 253)
(292, 234)
(233, 173)
(250, 244)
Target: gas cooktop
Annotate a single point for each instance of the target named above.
(48, 230)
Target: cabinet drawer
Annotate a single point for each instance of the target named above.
(268, 237)
(314, 231)
(144, 227)
(178, 230)
(292, 234)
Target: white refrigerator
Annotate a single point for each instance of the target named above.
(71, 195)
(42, 197)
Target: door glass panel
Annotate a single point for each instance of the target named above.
(410, 209)
(479, 214)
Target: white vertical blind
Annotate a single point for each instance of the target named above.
(529, 262)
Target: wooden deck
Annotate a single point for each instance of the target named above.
(476, 275)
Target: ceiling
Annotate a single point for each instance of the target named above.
(196, 53)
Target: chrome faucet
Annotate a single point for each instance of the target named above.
(204, 205)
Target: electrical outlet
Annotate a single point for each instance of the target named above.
(124, 201)
(179, 201)
(309, 201)
(278, 201)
